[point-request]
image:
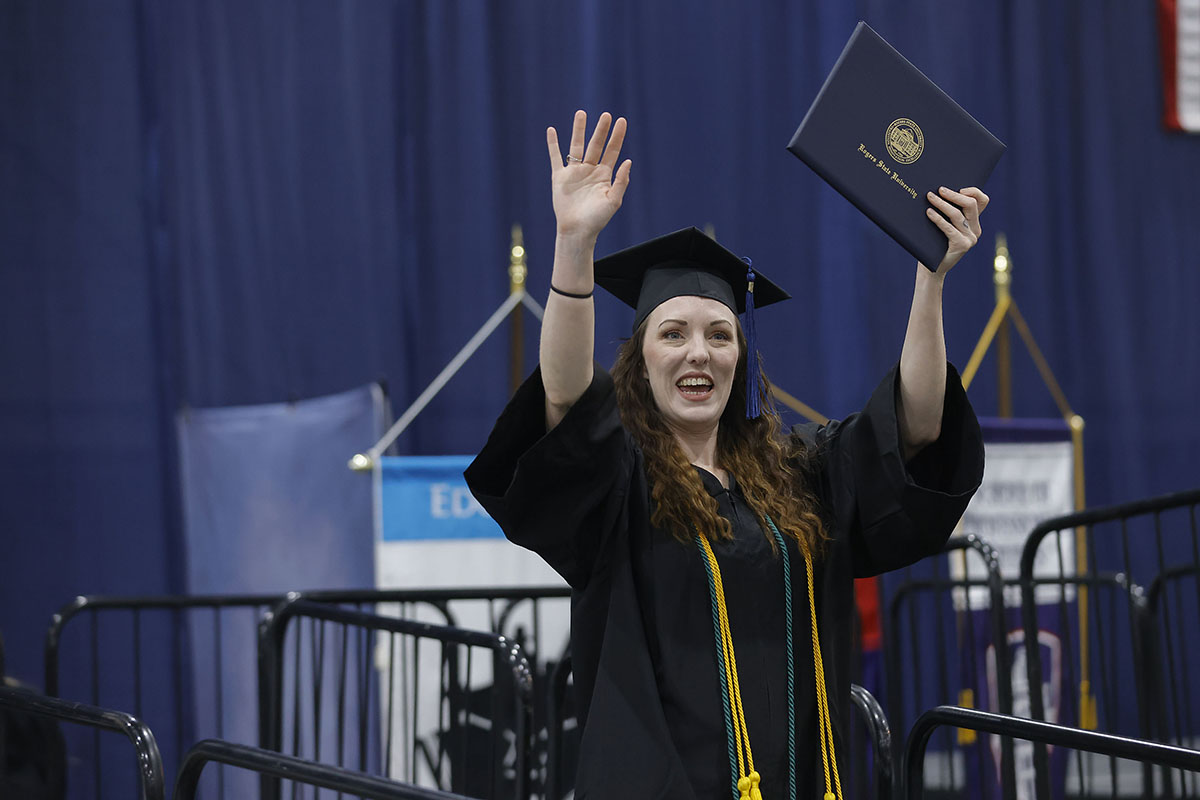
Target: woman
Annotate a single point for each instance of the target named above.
(711, 556)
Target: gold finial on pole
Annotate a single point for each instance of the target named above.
(518, 270)
(1002, 266)
(1002, 276)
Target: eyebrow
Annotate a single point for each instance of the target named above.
(683, 323)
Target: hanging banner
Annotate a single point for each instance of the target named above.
(1023, 484)
(268, 507)
(435, 535)
(1179, 40)
(426, 498)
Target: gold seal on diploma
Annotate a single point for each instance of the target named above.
(904, 141)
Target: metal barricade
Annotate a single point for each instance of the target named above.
(146, 760)
(945, 640)
(1144, 538)
(1170, 632)
(878, 735)
(537, 618)
(1043, 733)
(470, 732)
(275, 765)
(176, 662)
(188, 663)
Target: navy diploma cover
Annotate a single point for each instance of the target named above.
(883, 135)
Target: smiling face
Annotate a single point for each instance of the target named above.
(691, 355)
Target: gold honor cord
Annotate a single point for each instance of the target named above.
(748, 778)
(828, 753)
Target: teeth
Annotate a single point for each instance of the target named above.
(694, 382)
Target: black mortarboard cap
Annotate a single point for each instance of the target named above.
(686, 263)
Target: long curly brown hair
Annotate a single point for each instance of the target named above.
(772, 470)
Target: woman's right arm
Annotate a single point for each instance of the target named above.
(586, 195)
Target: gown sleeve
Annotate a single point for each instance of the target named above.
(895, 512)
(558, 493)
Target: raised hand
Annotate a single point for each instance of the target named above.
(585, 192)
(958, 219)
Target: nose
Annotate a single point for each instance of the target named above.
(697, 352)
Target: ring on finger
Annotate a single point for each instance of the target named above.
(574, 159)
(966, 223)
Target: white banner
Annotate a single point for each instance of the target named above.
(1024, 483)
(434, 535)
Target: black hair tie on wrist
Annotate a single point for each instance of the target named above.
(556, 290)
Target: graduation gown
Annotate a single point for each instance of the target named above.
(643, 650)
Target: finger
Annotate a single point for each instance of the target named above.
(966, 202)
(969, 207)
(621, 182)
(950, 210)
(957, 216)
(578, 128)
(955, 233)
(613, 150)
(981, 199)
(556, 157)
(951, 230)
(596, 144)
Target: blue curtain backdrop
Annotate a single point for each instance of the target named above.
(237, 202)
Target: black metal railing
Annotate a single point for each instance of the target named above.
(1147, 537)
(519, 613)
(148, 763)
(1170, 635)
(879, 734)
(187, 664)
(365, 671)
(276, 765)
(1043, 733)
(933, 640)
(181, 663)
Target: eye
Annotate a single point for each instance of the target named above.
(672, 334)
(721, 336)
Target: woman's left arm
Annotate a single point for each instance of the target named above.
(923, 359)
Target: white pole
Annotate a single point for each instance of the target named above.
(365, 462)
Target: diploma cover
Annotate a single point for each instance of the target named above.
(883, 135)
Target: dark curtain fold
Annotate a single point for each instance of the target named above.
(238, 202)
(84, 427)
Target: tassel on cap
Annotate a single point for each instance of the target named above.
(753, 368)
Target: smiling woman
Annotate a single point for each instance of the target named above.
(711, 553)
(691, 351)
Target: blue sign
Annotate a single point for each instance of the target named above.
(425, 497)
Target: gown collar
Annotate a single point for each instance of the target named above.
(712, 484)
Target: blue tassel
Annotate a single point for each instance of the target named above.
(752, 365)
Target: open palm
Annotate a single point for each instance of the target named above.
(585, 192)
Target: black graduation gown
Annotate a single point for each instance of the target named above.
(643, 648)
